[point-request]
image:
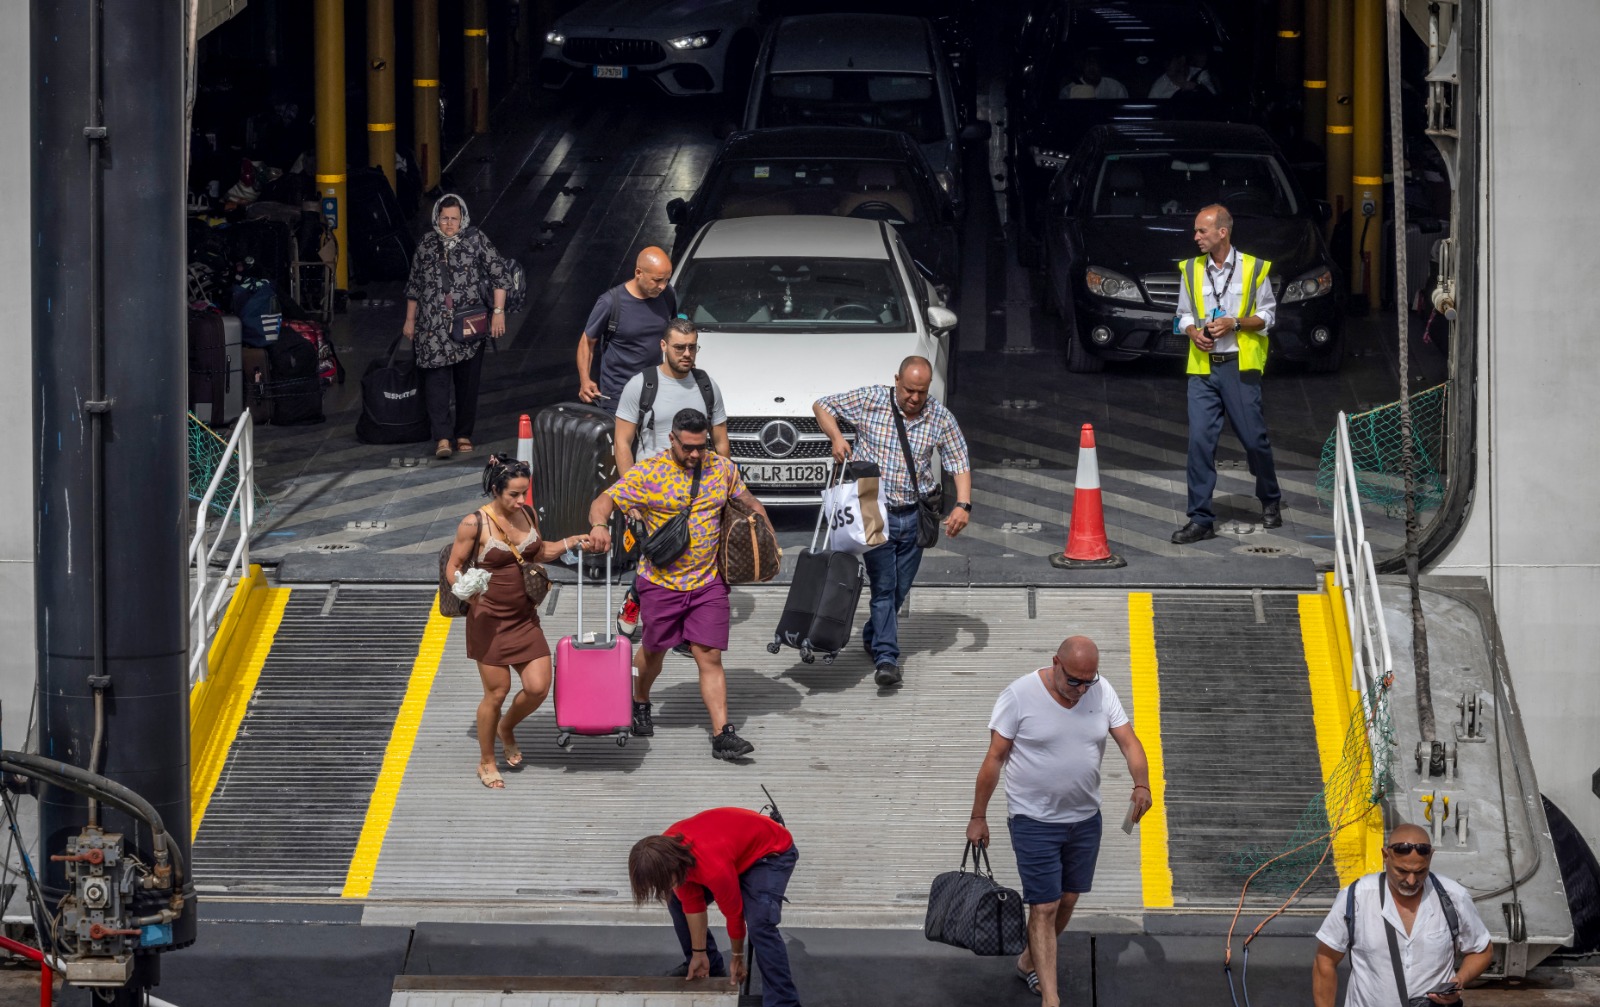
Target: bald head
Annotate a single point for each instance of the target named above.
(1079, 654)
(1213, 231)
(911, 384)
(919, 365)
(651, 271)
(1407, 834)
(1219, 214)
(1407, 872)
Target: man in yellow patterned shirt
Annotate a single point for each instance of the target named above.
(687, 599)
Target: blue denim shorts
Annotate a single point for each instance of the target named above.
(1054, 857)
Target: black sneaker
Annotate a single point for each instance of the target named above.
(643, 725)
(729, 745)
(886, 675)
(682, 650)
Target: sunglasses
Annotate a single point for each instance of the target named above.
(1405, 849)
(694, 448)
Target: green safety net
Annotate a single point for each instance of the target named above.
(206, 449)
(1342, 809)
(1375, 450)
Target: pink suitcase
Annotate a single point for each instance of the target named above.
(594, 681)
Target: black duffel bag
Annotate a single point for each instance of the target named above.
(392, 407)
(974, 911)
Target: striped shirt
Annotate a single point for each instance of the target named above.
(878, 442)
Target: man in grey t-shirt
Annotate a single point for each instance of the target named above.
(643, 433)
(1048, 733)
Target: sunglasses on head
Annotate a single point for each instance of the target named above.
(1405, 849)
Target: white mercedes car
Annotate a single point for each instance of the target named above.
(685, 46)
(794, 308)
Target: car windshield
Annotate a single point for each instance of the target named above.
(874, 190)
(751, 294)
(906, 102)
(1179, 184)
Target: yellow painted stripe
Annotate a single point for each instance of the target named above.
(1288, 34)
(331, 179)
(380, 809)
(1367, 179)
(225, 695)
(380, 127)
(1330, 714)
(423, 82)
(1314, 83)
(1341, 130)
(1155, 869)
(475, 32)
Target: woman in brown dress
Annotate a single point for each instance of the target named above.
(503, 633)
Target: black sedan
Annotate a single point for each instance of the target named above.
(1121, 218)
(867, 173)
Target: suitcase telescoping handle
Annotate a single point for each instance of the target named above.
(609, 633)
(834, 478)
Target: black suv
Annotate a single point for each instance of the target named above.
(1120, 217)
(830, 171)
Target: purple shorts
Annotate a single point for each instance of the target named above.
(672, 617)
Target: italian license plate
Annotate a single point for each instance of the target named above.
(784, 474)
(611, 72)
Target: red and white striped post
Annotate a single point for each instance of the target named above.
(1086, 531)
(525, 450)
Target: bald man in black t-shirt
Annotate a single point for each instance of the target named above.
(644, 306)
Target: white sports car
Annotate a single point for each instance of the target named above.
(794, 308)
(685, 46)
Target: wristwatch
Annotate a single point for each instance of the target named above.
(499, 311)
(964, 505)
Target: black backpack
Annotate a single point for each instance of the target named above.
(1451, 919)
(647, 400)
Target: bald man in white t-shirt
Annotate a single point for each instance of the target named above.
(1048, 733)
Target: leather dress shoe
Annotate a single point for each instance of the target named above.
(1192, 533)
(1272, 514)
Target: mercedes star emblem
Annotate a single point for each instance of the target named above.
(780, 438)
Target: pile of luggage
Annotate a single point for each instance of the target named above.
(259, 352)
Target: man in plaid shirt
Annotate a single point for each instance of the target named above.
(892, 567)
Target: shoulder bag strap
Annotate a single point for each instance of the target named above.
(703, 379)
(1394, 945)
(905, 445)
(515, 552)
(1449, 907)
(648, 389)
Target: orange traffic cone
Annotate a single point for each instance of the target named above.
(1086, 534)
(525, 450)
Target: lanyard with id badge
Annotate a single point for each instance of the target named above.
(1216, 299)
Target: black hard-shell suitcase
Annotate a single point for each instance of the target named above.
(822, 601)
(574, 458)
(392, 407)
(216, 386)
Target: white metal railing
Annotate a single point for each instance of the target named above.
(210, 590)
(1355, 573)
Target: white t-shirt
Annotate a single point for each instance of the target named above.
(672, 395)
(1053, 772)
(1425, 953)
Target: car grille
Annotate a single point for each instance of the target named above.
(1162, 289)
(744, 437)
(751, 425)
(750, 449)
(629, 51)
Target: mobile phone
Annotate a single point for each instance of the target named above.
(1446, 988)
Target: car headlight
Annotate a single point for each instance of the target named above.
(1044, 157)
(1105, 283)
(697, 40)
(946, 181)
(555, 38)
(1313, 284)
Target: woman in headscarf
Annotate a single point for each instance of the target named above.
(456, 270)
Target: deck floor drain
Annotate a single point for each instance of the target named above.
(1263, 550)
(335, 547)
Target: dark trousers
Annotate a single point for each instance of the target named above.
(437, 383)
(762, 887)
(1226, 391)
(891, 568)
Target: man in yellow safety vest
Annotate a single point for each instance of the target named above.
(1225, 306)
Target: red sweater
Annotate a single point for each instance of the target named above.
(725, 842)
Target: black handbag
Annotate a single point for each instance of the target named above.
(974, 911)
(671, 540)
(930, 505)
(468, 322)
(392, 407)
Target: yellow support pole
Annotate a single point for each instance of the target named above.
(1339, 107)
(425, 90)
(1314, 80)
(476, 41)
(1366, 170)
(380, 87)
(328, 20)
(1289, 43)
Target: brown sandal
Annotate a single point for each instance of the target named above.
(443, 450)
(463, 446)
(490, 777)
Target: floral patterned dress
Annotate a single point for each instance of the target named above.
(473, 260)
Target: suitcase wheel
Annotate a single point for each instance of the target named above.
(828, 658)
(774, 647)
(622, 741)
(563, 740)
(807, 656)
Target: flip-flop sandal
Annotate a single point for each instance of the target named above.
(513, 754)
(443, 450)
(490, 777)
(1029, 979)
(463, 446)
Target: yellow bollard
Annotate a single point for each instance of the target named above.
(425, 90)
(476, 41)
(1340, 110)
(1366, 162)
(1314, 111)
(331, 165)
(380, 87)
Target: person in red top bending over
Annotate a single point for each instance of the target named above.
(741, 861)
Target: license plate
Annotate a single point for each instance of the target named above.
(781, 474)
(612, 72)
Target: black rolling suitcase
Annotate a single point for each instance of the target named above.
(295, 390)
(216, 382)
(822, 601)
(574, 458)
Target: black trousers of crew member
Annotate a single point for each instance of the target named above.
(437, 383)
(1226, 391)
